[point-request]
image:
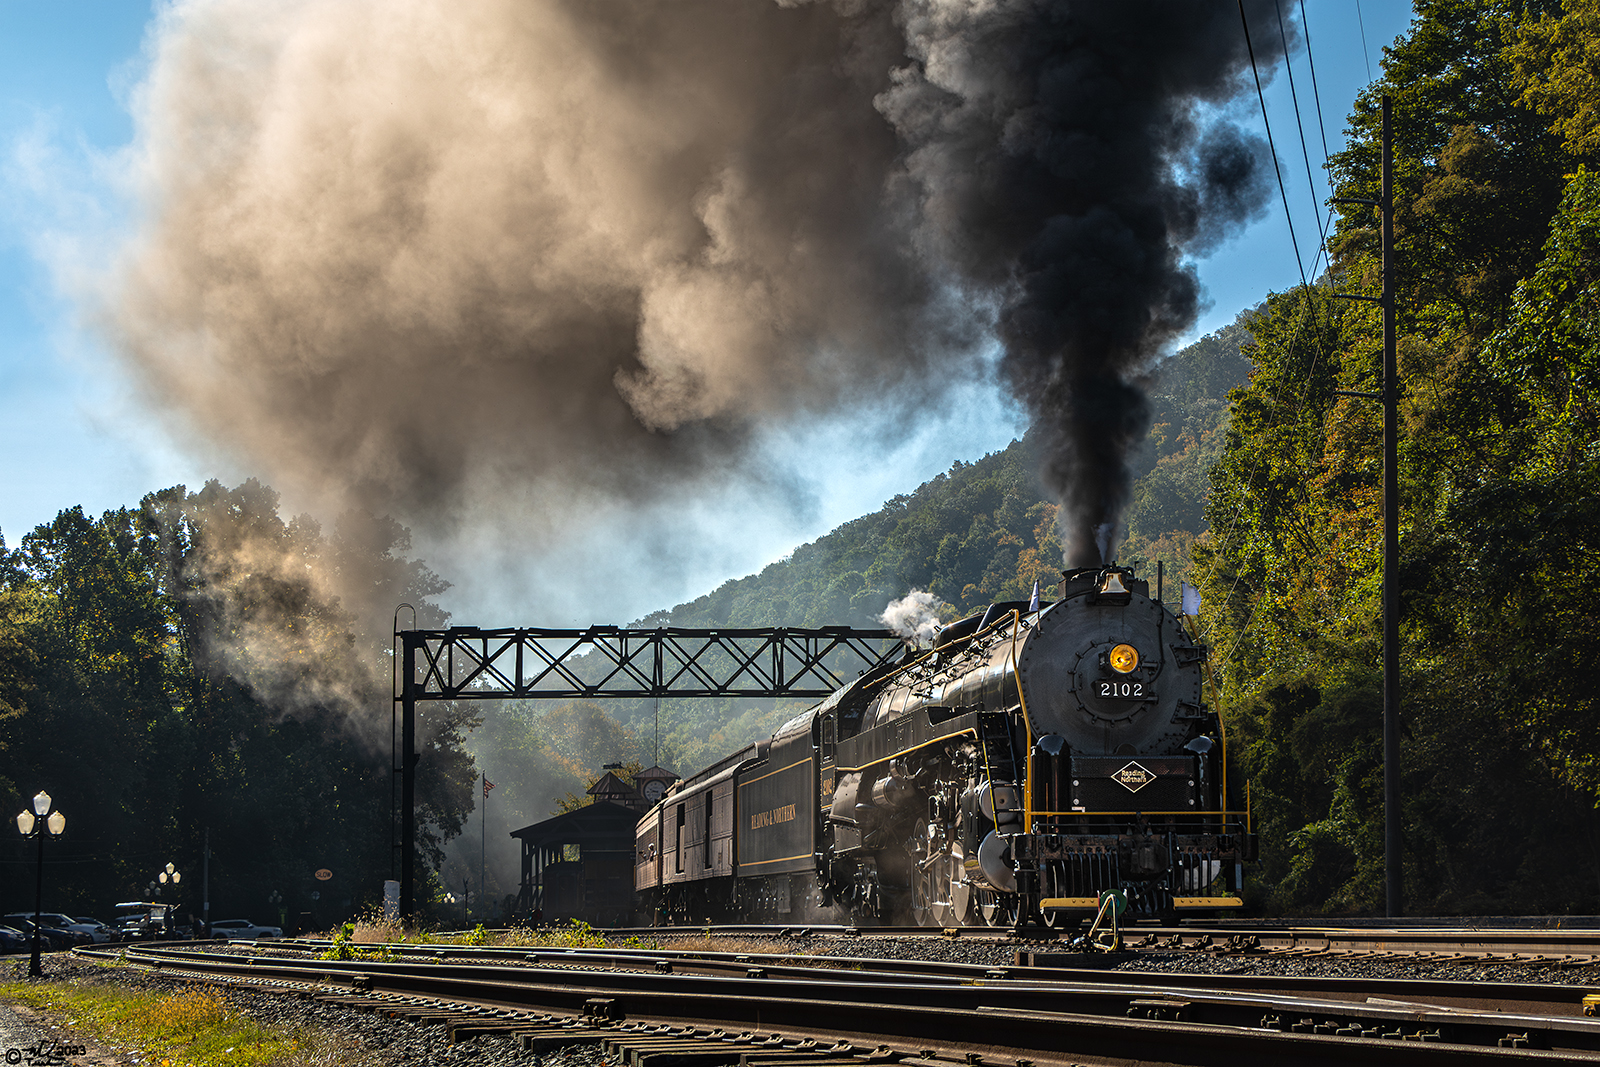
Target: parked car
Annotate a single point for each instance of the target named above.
(50, 920)
(51, 939)
(14, 940)
(66, 922)
(103, 932)
(243, 930)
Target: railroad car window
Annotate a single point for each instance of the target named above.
(678, 848)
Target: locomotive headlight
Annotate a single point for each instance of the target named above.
(1123, 658)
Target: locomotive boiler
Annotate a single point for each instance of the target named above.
(1036, 757)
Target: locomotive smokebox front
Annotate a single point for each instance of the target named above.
(1111, 672)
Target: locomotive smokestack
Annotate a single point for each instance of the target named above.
(1066, 156)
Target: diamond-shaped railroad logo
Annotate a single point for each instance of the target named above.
(1133, 777)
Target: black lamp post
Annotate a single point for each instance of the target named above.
(34, 824)
(170, 876)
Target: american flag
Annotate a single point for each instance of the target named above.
(487, 785)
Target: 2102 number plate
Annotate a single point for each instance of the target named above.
(1120, 690)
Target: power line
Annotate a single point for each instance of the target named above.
(1305, 150)
(1271, 144)
(1362, 26)
(1316, 97)
(1311, 315)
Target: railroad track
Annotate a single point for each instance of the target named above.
(663, 1008)
(1575, 947)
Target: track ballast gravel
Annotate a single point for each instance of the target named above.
(342, 1037)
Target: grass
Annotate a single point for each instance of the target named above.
(185, 1028)
(374, 931)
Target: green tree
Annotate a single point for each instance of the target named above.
(1498, 755)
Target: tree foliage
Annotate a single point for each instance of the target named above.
(197, 665)
(1495, 223)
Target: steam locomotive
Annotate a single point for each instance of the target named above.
(1035, 758)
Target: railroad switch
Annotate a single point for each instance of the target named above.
(755, 972)
(664, 966)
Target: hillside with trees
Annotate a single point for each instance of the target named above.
(1497, 224)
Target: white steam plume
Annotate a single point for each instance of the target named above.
(915, 616)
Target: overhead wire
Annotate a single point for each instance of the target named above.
(1316, 97)
(1362, 26)
(1299, 261)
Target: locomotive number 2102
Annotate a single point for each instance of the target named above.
(1131, 690)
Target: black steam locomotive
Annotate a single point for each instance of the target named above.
(1035, 758)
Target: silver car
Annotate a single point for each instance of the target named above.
(243, 930)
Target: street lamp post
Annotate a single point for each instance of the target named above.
(34, 824)
(170, 876)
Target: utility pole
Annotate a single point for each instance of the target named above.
(1393, 857)
(1393, 854)
(408, 775)
(205, 884)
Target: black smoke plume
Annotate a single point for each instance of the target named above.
(1066, 159)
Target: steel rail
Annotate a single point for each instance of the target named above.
(1003, 1013)
(1030, 966)
(1487, 944)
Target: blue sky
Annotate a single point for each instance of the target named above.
(74, 433)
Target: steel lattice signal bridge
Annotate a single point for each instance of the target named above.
(468, 663)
